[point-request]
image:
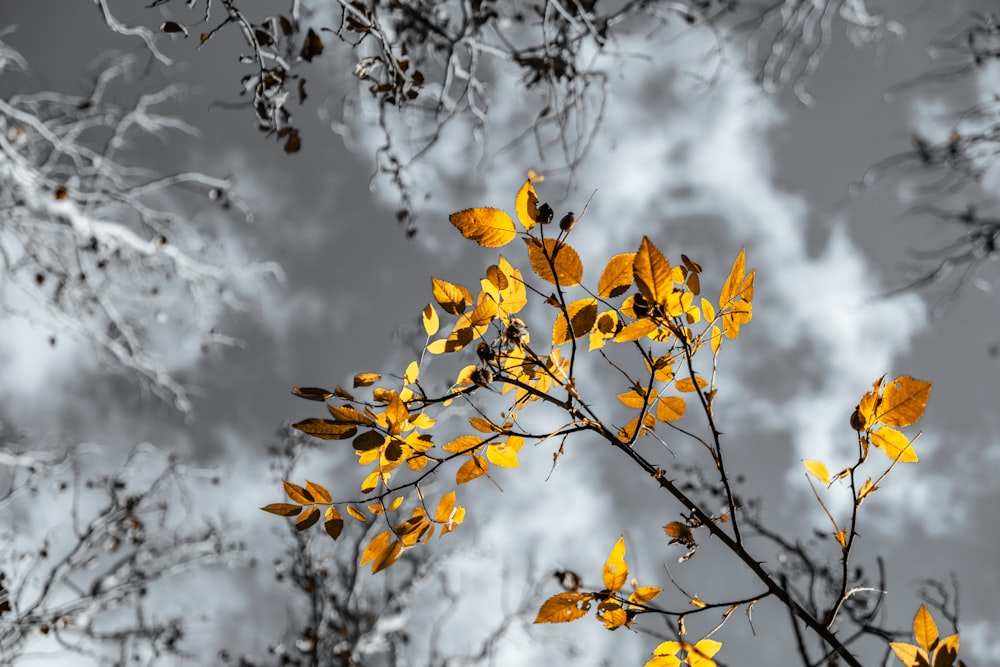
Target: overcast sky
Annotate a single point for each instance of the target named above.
(700, 170)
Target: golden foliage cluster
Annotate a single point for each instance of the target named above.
(641, 302)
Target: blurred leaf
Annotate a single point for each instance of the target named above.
(282, 509)
(564, 607)
(312, 47)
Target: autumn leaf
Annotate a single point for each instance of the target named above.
(489, 227)
(564, 607)
(318, 492)
(912, 656)
(333, 522)
(924, 629)
(326, 429)
(582, 316)
(525, 204)
(653, 275)
(617, 276)
(895, 445)
(903, 401)
(504, 454)
(297, 493)
(282, 509)
(615, 568)
(429, 317)
(670, 408)
(567, 263)
(644, 594)
(471, 469)
(701, 654)
(453, 298)
(818, 470)
(312, 393)
(307, 519)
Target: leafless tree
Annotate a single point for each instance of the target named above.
(106, 250)
(88, 559)
(423, 66)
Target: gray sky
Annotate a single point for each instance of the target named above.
(700, 171)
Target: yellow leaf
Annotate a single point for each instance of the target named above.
(635, 331)
(282, 509)
(356, 514)
(866, 490)
(615, 568)
(526, 205)
(617, 276)
(707, 309)
(734, 281)
(565, 260)
(445, 507)
(670, 408)
(307, 519)
(912, 656)
(333, 523)
(612, 614)
(687, 385)
(924, 629)
(637, 398)
(439, 346)
(318, 492)
(564, 607)
(582, 316)
(471, 469)
(378, 545)
(664, 661)
(463, 444)
(818, 470)
(366, 379)
(895, 445)
(489, 227)
(515, 296)
(698, 602)
(297, 493)
(370, 481)
(326, 429)
(652, 273)
(903, 401)
(430, 319)
(716, 339)
(345, 414)
(644, 594)
(504, 454)
(453, 298)
(700, 655)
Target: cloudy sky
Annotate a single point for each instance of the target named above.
(700, 169)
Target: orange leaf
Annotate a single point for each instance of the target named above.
(582, 315)
(564, 607)
(670, 408)
(903, 401)
(687, 386)
(489, 227)
(734, 281)
(312, 393)
(652, 273)
(282, 509)
(924, 629)
(568, 267)
(326, 429)
(318, 492)
(471, 469)
(617, 276)
(297, 493)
